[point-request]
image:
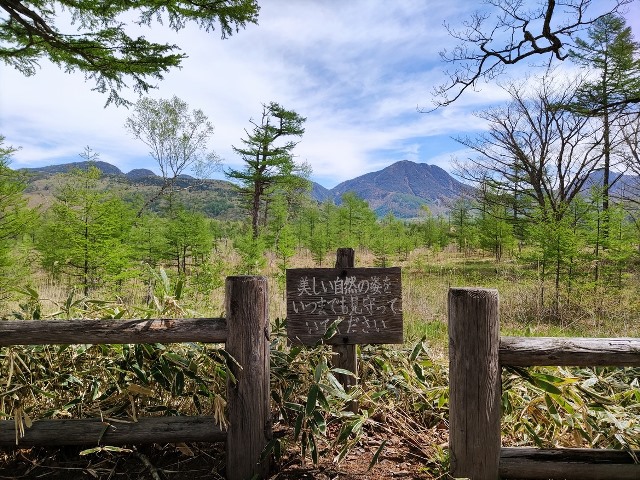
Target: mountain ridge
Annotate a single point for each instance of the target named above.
(402, 188)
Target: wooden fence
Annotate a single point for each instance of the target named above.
(245, 330)
(477, 354)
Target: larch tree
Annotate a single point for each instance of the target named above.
(177, 138)
(610, 56)
(15, 216)
(84, 234)
(188, 237)
(267, 152)
(95, 38)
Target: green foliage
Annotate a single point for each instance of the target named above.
(463, 229)
(268, 159)
(112, 381)
(187, 236)
(100, 44)
(84, 234)
(285, 249)
(496, 233)
(252, 252)
(177, 139)
(610, 53)
(15, 218)
(312, 402)
(579, 407)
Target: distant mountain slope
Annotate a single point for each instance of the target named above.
(138, 173)
(622, 185)
(214, 198)
(319, 193)
(104, 167)
(402, 188)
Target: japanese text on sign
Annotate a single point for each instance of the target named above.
(365, 302)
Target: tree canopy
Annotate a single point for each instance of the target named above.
(178, 139)
(93, 37)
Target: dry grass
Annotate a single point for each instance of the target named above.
(414, 397)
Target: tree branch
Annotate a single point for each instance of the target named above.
(485, 50)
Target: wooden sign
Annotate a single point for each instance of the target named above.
(366, 303)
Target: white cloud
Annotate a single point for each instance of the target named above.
(358, 71)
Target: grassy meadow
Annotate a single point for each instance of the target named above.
(403, 388)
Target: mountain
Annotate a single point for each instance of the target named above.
(214, 198)
(402, 188)
(621, 185)
(140, 173)
(104, 167)
(319, 193)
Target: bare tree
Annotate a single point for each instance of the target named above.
(535, 148)
(177, 139)
(511, 31)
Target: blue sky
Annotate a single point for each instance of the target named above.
(359, 70)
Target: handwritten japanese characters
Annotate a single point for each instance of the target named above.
(366, 303)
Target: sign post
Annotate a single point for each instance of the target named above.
(364, 304)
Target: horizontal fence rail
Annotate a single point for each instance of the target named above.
(63, 332)
(569, 352)
(94, 431)
(477, 354)
(567, 464)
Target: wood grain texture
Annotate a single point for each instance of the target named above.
(163, 330)
(567, 464)
(248, 398)
(578, 352)
(93, 432)
(346, 355)
(366, 301)
(474, 383)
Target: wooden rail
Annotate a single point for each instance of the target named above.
(245, 331)
(572, 352)
(94, 431)
(164, 330)
(476, 357)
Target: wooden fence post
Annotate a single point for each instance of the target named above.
(474, 383)
(248, 398)
(346, 355)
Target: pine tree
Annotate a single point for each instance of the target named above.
(610, 54)
(268, 159)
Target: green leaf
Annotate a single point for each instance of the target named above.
(179, 287)
(320, 422)
(311, 400)
(319, 370)
(142, 376)
(546, 386)
(376, 456)
(418, 349)
(178, 384)
(313, 449)
(298, 426)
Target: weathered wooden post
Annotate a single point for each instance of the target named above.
(248, 398)
(474, 383)
(346, 356)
